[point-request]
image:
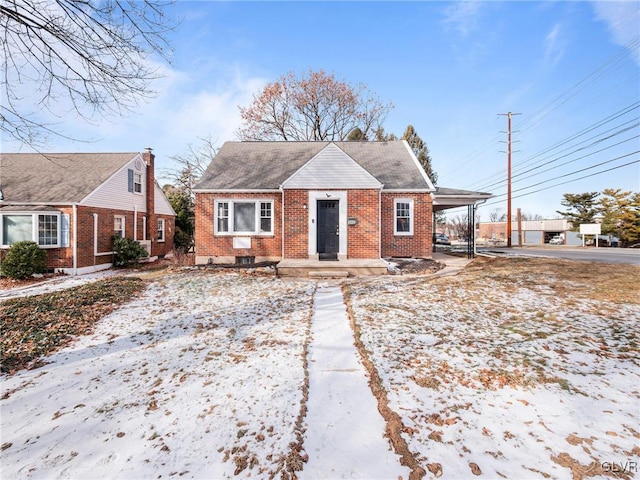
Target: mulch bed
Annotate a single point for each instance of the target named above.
(416, 265)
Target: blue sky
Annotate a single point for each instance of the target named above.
(449, 68)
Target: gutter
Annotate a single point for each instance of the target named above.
(75, 238)
(282, 213)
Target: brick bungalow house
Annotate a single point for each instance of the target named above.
(303, 203)
(72, 204)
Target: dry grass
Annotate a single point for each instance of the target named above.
(597, 281)
(472, 363)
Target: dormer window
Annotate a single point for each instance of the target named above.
(137, 182)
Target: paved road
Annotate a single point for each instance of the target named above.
(628, 256)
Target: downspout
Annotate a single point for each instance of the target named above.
(380, 222)
(281, 188)
(95, 238)
(135, 223)
(475, 247)
(75, 239)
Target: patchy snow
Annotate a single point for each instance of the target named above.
(58, 283)
(201, 377)
(344, 435)
(514, 383)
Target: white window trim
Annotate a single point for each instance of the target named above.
(161, 221)
(396, 201)
(34, 227)
(137, 174)
(231, 202)
(124, 224)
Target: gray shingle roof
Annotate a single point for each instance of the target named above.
(56, 177)
(266, 165)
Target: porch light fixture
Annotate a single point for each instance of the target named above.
(303, 206)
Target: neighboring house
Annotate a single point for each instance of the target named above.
(295, 202)
(72, 204)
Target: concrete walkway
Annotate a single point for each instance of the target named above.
(453, 264)
(344, 436)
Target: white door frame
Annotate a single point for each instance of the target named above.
(314, 196)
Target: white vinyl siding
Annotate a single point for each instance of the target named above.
(161, 204)
(114, 192)
(332, 168)
(41, 228)
(403, 216)
(248, 217)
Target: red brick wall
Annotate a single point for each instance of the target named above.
(296, 228)
(364, 238)
(105, 233)
(209, 245)
(420, 243)
(152, 219)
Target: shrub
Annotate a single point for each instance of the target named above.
(127, 251)
(23, 259)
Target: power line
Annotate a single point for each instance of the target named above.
(499, 176)
(573, 179)
(601, 71)
(568, 154)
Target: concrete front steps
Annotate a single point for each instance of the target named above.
(331, 269)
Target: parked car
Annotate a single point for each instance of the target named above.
(557, 240)
(442, 239)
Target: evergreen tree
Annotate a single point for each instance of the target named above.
(382, 136)
(357, 135)
(582, 208)
(621, 215)
(421, 151)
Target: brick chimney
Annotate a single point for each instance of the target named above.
(152, 222)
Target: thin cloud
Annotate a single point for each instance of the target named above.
(553, 44)
(622, 20)
(462, 17)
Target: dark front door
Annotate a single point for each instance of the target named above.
(328, 229)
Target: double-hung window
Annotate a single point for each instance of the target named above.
(137, 182)
(46, 229)
(249, 217)
(403, 216)
(161, 230)
(118, 225)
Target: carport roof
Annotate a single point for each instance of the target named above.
(445, 198)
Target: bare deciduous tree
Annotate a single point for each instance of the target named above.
(313, 106)
(459, 225)
(189, 166)
(85, 56)
(497, 215)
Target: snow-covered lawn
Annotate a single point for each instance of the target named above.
(201, 377)
(499, 374)
(506, 376)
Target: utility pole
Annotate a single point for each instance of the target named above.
(509, 115)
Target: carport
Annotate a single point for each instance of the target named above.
(448, 198)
